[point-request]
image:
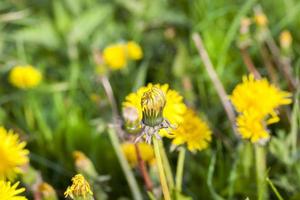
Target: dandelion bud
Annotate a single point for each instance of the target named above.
(80, 189)
(47, 192)
(153, 102)
(131, 120)
(261, 19)
(285, 39)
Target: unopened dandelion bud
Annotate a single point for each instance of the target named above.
(131, 120)
(80, 189)
(84, 165)
(46, 191)
(285, 40)
(260, 19)
(153, 102)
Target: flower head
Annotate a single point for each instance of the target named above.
(134, 51)
(146, 150)
(252, 126)
(25, 77)
(193, 131)
(131, 120)
(79, 188)
(174, 106)
(46, 191)
(115, 56)
(259, 95)
(285, 39)
(153, 102)
(10, 192)
(13, 155)
(260, 19)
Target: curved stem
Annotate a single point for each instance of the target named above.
(162, 176)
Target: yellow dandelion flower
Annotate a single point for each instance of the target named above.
(134, 51)
(13, 155)
(261, 19)
(259, 95)
(47, 191)
(251, 126)
(193, 131)
(25, 77)
(146, 150)
(10, 192)
(285, 39)
(79, 188)
(115, 56)
(174, 107)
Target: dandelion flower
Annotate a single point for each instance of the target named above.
(13, 155)
(174, 107)
(259, 95)
(251, 126)
(193, 131)
(115, 56)
(79, 188)
(261, 19)
(285, 39)
(134, 51)
(10, 192)
(25, 77)
(146, 150)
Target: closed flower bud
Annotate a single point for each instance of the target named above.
(285, 39)
(47, 192)
(131, 120)
(153, 102)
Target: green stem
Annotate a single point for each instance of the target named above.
(179, 170)
(166, 164)
(125, 166)
(274, 189)
(260, 160)
(162, 176)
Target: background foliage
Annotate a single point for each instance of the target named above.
(69, 111)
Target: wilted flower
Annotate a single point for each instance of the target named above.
(25, 77)
(80, 188)
(146, 151)
(10, 192)
(13, 154)
(193, 131)
(115, 56)
(131, 120)
(134, 51)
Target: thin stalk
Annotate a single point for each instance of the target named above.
(249, 63)
(160, 166)
(179, 170)
(215, 80)
(166, 164)
(260, 161)
(125, 166)
(143, 169)
(274, 189)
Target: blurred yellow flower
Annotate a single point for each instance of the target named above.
(193, 131)
(115, 56)
(261, 19)
(10, 192)
(259, 95)
(146, 150)
(13, 155)
(173, 110)
(251, 126)
(285, 39)
(25, 77)
(134, 51)
(46, 191)
(79, 188)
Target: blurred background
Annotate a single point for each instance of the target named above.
(69, 110)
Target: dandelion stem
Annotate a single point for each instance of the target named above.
(215, 79)
(274, 189)
(125, 166)
(179, 170)
(260, 156)
(166, 164)
(162, 176)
